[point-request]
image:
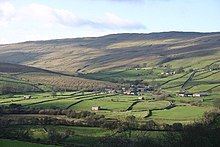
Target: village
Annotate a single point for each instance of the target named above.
(132, 90)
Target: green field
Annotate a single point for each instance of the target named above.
(112, 106)
(126, 74)
(139, 115)
(16, 143)
(115, 106)
(184, 114)
(146, 105)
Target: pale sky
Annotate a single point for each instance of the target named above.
(24, 20)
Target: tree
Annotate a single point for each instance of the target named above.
(177, 126)
(150, 125)
(154, 84)
(190, 70)
(62, 91)
(217, 103)
(83, 93)
(180, 70)
(53, 93)
(167, 127)
(214, 67)
(131, 120)
(55, 136)
(212, 118)
(69, 132)
(144, 64)
(6, 89)
(168, 68)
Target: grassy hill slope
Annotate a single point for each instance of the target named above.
(20, 78)
(118, 50)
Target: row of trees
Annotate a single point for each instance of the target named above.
(16, 109)
(16, 88)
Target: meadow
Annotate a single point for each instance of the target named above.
(116, 106)
(13, 143)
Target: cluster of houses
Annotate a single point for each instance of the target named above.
(186, 94)
(132, 90)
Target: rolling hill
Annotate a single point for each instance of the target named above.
(21, 78)
(117, 50)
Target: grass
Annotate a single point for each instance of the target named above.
(139, 115)
(113, 106)
(55, 104)
(13, 143)
(150, 105)
(195, 62)
(36, 97)
(201, 87)
(176, 83)
(182, 114)
(120, 98)
(125, 74)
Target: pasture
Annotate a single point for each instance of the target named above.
(13, 143)
(183, 114)
(114, 106)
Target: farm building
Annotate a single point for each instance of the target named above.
(141, 98)
(189, 94)
(130, 92)
(96, 108)
(181, 94)
(141, 89)
(123, 89)
(27, 97)
(184, 94)
(199, 94)
(110, 90)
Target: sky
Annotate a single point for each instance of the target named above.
(25, 20)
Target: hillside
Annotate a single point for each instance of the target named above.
(21, 78)
(118, 50)
(16, 68)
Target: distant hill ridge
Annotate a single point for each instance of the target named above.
(127, 36)
(92, 54)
